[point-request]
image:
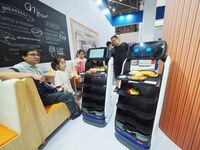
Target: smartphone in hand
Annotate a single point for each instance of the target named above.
(59, 88)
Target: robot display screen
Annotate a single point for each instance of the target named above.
(146, 51)
(96, 53)
(151, 50)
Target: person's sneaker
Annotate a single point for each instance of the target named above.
(75, 115)
(116, 89)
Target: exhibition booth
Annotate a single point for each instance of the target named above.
(128, 111)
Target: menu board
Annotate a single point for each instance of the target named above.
(31, 23)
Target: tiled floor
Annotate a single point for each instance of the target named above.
(78, 135)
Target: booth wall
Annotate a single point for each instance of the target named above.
(133, 37)
(86, 13)
(180, 119)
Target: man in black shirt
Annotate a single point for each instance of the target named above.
(119, 54)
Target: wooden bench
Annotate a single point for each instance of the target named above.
(48, 118)
(18, 128)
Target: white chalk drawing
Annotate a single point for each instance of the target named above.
(34, 10)
(6, 35)
(16, 11)
(62, 36)
(60, 51)
(36, 32)
(52, 25)
(52, 51)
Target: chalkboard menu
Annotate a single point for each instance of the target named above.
(31, 23)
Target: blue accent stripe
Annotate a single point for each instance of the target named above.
(129, 18)
(142, 146)
(99, 119)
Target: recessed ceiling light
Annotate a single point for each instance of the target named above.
(113, 9)
(120, 0)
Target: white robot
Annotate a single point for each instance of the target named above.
(97, 105)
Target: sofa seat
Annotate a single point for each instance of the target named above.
(6, 135)
(50, 108)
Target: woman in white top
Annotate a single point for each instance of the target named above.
(62, 75)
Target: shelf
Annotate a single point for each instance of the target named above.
(92, 100)
(136, 112)
(142, 127)
(145, 104)
(138, 99)
(133, 116)
(93, 106)
(93, 112)
(94, 96)
(131, 132)
(93, 74)
(144, 90)
(123, 93)
(99, 90)
(99, 81)
(91, 84)
(86, 84)
(149, 81)
(94, 90)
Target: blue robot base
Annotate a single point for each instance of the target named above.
(98, 122)
(129, 143)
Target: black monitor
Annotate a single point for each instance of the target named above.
(97, 53)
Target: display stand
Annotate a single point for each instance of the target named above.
(137, 112)
(97, 105)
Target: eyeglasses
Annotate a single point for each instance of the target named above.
(34, 54)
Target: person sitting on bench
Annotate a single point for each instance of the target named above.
(49, 94)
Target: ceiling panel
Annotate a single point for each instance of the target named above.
(118, 7)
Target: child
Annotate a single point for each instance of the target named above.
(62, 75)
(80, 61)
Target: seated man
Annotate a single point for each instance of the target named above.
(49, 95)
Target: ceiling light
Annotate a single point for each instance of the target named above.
(113, 9)
(129, 17)
(120, 0)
